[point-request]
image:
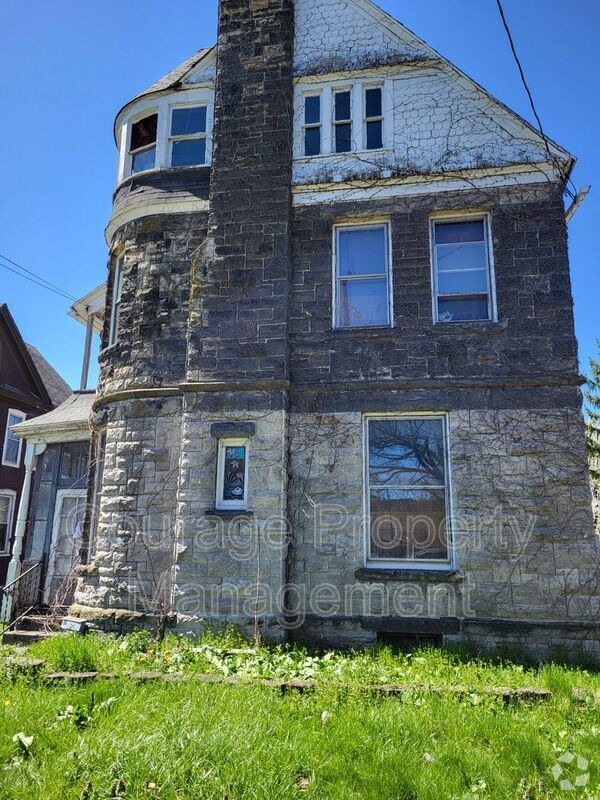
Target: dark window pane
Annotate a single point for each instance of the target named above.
(186, 121)
(143, 160)
(449, 232)
(73, 465)
(343, 138)
(457, 309)
(406, 452)
(475, 281)
(374, 135)
(234, 473)
(188, 153)
(5, 513)
(408, 524)
(364, 302)
(312, 141)
(143, 132)
(362, 252)
(465, 255)
(373, 102)
(312, 109)
(11, 450)
(342, 105)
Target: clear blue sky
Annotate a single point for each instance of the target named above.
(67, 66)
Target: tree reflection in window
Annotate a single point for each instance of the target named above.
(234, 469)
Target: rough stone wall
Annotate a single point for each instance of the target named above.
(134, 547)
(159, 253)
(534, 335)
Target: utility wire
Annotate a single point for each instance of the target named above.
(37, 279)
(552, 158)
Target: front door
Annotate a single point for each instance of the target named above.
(63, 556)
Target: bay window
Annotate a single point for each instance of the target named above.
(462, 270)
(188, 136)
(362, 291)
(407, 491)
(142, 148)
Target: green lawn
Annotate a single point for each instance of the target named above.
(190, 740)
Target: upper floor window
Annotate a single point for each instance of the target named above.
(312, 124)
(343, 121)
(188, 136)
(232, 474)
(362, 292)
(113, 333)
(407, 491)
(463, 282)
(374, 118)
(142, 148)
(11, 453)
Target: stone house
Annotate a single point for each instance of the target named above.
(339, 392)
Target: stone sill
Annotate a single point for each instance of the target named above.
(376, 574)
(229, 513)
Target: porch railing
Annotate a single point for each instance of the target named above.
(21, 596)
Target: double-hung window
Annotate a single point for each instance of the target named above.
(373, 118)
(11, 452)
(7, 504)
(407, 491)
(113, 333)
(142, 148)
(462, 270)
(188, 136)
(342, 121)
(362, 294)
(232, 475)
(312, 124)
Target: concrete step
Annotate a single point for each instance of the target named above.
(26, 637)
(39, 622)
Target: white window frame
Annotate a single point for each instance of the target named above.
(335, 123)
(349, 226)
(130, 153)
(231, 505)
(357, 87)
(188, 136)
(61, 495)
(311, 125)
(14, 412)
(469, 216)
(12, 499)
(416, 564)
(365, 88)
(115, 310)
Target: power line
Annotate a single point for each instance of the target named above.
(37, 279)
(552, 158)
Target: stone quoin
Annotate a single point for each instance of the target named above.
(339, 393)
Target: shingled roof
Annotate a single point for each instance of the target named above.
(57, 388)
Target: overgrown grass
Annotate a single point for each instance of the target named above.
(191, 741)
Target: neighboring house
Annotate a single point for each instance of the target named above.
(339, 389)
(29, 386)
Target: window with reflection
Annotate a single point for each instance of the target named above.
(143, 143)
(362, 296)
(312, 124)
(407, 490)
(232, 474)
(374, 118)
(462, 274)
(188, 136)
(343, 121)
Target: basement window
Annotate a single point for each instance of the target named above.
(11, 453)
(362, 296)
(312, 124)
(407, 490)
(462, 270)
(232, 475)
(7, 502)
(143, 143)
(188, 136)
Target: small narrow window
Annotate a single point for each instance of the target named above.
(343, 121)
(11, 454)
(116, 302)
(407, 490)
(97, 493)
(188, 136)
(362, 268)
(312, 124)
(6, 516)
(143, 143)
(462, 274)
(232, 474)
(374, 118)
